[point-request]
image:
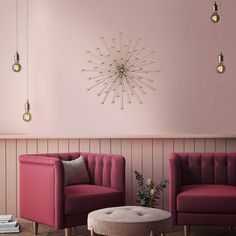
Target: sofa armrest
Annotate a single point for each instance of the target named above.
(42, 189)
(175, 185)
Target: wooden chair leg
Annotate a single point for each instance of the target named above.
(67, 231)
(92, 233)
(35, 227)
(151, 233)
(186, 230)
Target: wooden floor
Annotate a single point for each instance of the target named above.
(26, 230)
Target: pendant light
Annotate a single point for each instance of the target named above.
(27, 117)
(16, 67)
(215, 16)
(220, 67)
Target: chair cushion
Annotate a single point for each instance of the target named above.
(207, 198)
(75, 172)
(84, 198)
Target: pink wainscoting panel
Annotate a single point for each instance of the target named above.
(11, 176)
(137, 164)
(158, 164)
(210, 145)
(63, 145)
(220, 145)
(2, 176)
(95, 145)
(31, 146)
(53, 146)
(149, 156)
(127, 153)
(21, 149)
(73, 145)
(84, 145)
(168, 148)
(42, 145)
(105, 146)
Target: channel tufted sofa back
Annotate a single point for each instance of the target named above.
(206, 168)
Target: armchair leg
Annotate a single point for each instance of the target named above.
(35, 228)
(186, 230)
(67, 231)
(92, 233)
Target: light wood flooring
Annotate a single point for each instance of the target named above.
(26, 230)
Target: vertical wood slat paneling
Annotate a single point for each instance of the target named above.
(189, 145)
(73, 145)
(136, 165)
(158, 164)
(105, 146)
(42, 146)
(220, 145)
(2, 177)
(84, 145)
(199, 145)
(63, 145)
(116, 146)
(168, 148)
(210, 145)
(21, 147)
(11, 175)
(231, 145)
(95, 145)
(127, 153)
(53, 145)
(149, 156)
(31, 146)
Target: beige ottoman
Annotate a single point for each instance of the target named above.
(129, 221)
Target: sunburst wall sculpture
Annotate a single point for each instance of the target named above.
(120, 71)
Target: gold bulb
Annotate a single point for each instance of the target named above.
(215, 17)
(221, 68)
(27, 117)
(16, 67)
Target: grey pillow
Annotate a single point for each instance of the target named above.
(75, 172)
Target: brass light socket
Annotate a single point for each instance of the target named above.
(221, 58)
(215, 7)
(17, 57)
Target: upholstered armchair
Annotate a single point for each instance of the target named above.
(203, 189)
(45, 199)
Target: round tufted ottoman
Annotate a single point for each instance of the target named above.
(129, 221)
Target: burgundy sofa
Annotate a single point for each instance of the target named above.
(203, 189)
(44, 198)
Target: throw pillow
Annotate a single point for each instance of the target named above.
(75, 172)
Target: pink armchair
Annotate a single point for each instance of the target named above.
(44, 198)
(203, 189)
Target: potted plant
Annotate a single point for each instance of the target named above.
(148, 192)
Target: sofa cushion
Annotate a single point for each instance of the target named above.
(75, 172)
(207, 198)
(84, 198)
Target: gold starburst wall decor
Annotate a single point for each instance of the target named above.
(120, 71)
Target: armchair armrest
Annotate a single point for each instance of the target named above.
(175, 185)
(42, 189)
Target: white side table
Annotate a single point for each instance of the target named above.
(129, 221)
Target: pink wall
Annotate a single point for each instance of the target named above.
(190, 96)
